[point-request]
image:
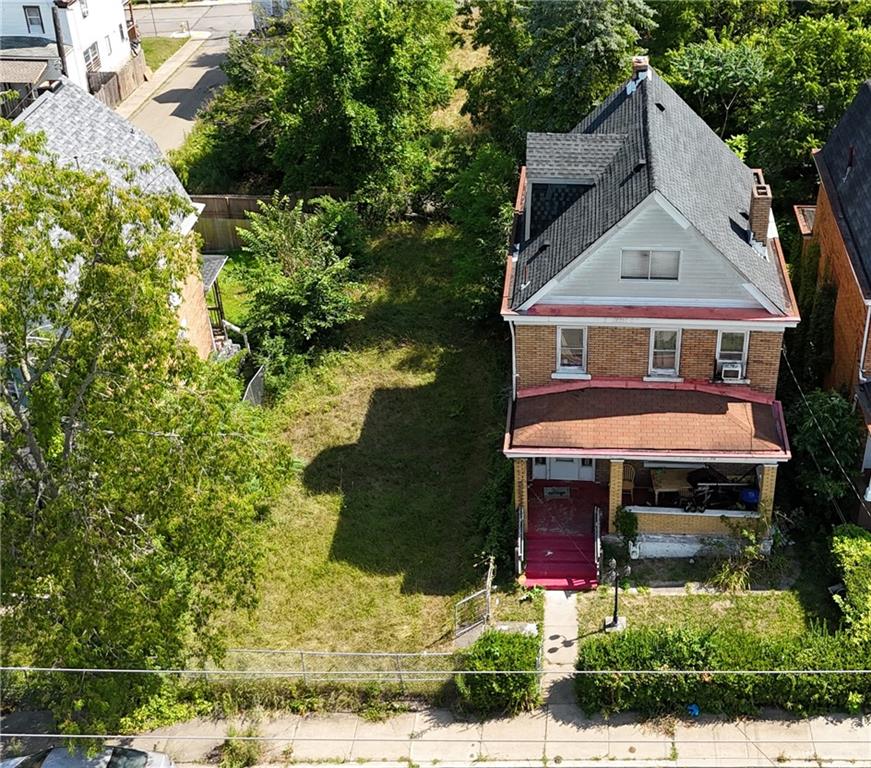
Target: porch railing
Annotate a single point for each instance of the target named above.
(597, 537)
(520, 548)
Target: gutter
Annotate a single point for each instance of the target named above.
(862, 378)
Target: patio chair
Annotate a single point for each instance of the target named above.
(629, 481)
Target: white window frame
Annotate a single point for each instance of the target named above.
(108, 40)
(743, 360)
(650, 251)
(571, 369)
(83, 4)
(664, 372)
(32, 22)
(96, 57)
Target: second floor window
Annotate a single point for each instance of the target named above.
(572, 349)
(732, 347)
(649, 265)
(92, 58)
(664, 352)
(33, 17)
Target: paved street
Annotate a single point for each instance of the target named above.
(168, 115)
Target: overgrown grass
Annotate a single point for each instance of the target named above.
(772, 614)
(233, 293)
(371, 543)
(158, 49)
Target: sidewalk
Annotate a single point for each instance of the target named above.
(557, 733)
(142, 95)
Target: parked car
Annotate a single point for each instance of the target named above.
(110, 757)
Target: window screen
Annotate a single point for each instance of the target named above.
(664, 358)
(571, 351)
(732, 346)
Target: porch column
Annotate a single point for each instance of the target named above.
(766, 491)
(615, 492)
(520, 492)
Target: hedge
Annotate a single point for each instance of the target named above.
(509, 694)
(728, 694)
(851, 550)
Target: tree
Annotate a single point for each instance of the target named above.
(335, 93)
(827, 438)
(814, 69)
(131, 474)
(718, 80)
(549, 63)
(300, 282)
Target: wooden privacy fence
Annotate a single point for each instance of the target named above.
(223, 214)
(113, 87)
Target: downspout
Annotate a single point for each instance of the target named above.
(862, 379)
(514, 362)
(58, 38)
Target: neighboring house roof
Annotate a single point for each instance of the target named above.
(844, 164)
(212, 266)
(84, 132)
(643, 420)
(656, 143)
(22, 71)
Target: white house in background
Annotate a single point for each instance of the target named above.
(95, 35)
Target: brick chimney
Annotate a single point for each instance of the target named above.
(640, 64)
(760, 207)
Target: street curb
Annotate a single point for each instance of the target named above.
(143, 94)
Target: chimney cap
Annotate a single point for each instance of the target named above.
(640, 63)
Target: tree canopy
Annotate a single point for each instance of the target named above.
(131, 475)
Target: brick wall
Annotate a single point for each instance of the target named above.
(536, 354)
(196, 326)
(618, 351)
(849, 319)
(682, 522)
(624, 352)
(763, 360)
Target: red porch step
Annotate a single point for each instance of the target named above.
(561, 562)
(566, 583)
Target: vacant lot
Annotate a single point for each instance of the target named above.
(372, 540)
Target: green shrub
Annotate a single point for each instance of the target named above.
(507, 694)
(241, 753)
(851, 550)
(494, 515)
(729, 694)
(626, 523)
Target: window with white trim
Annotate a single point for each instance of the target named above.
(649, 265)
(664, 352)
(92, 58)
(83, 4)
(572, 349)
(33, 17)
(732, 350)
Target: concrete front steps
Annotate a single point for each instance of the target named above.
(561, 562)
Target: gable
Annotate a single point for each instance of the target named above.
(705, 277)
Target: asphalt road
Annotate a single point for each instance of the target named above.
(168, 116)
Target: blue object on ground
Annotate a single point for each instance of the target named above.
(749, 496)
(694, 710)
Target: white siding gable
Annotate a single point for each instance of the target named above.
(705, 278)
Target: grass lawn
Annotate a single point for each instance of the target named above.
(762, 614)
(371, 542)
(233, 289)
(159, 49)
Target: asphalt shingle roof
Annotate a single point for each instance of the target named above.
(665, 147)
(845, 170)
(84, 132)
(570, 156)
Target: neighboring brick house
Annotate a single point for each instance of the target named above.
(647, 298)
(80, 130)
(840, 224)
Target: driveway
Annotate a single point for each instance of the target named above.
(168, 116)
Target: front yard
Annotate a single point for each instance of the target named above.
(371, 542)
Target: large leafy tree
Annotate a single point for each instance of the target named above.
(814, 67)
(335, 93)
(549, 63)
(130, 473)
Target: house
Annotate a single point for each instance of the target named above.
(80, 130)
(840, 225)
(647, 296)
(94, 43)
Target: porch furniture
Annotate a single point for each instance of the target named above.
(629, 481)
(669, 481)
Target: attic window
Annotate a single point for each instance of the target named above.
(660, 106)
(649, 265)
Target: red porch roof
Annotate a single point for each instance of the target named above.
(642, 421)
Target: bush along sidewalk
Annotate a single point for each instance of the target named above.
(851, 551)
(490, 693)
(727, 694)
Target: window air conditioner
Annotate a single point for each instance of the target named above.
(731, 371)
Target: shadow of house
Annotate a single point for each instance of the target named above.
(410, 483)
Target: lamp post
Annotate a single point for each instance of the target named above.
(617, 623)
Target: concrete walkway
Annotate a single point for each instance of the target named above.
(560, 646)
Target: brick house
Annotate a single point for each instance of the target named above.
(79, 129)
(840, 224)
(647, 296)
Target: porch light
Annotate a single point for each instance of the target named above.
(616, 623)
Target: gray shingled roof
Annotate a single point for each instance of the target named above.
(847, 180)
(570, 156)
(212, 266)
(83, 131)
(666, 148)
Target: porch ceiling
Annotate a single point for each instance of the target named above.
(639, 422)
